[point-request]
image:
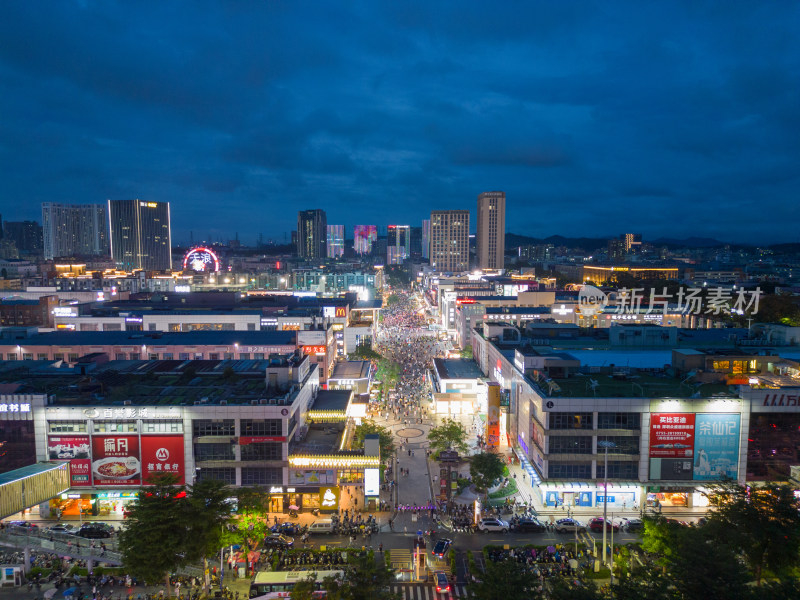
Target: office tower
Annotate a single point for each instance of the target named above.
(312, 234)
(335, 241)
(26, 235)
(140, 235)
(426, 238)
(632, 241)
(398, 244)
(74, 229)
(364, 236)
(416, 242)
(450, 241)
(491, 233)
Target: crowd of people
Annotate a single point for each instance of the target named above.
(545, 563)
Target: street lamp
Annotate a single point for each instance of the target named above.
(605, 445)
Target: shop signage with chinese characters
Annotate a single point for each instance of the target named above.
(15, 408)
(672, 435)
(245, 440)
(115, 460)
(75, 449)
(129, 412)
(314, 349)
(162, 454)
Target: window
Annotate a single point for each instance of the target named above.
(229, 356)
(262, 427)
(213, 356)
(201, 427)
(174, 327)
(570, 470)
(151, 326)
(27, 356)
(112, 327)
(262, 475)
(244, 356)
(183, 356)
(569, 444)
(722, 365)
(73, 358)
(564, 420)
(263, 451)
(58, 356)
(223, 474)
(618, 470)
(41, 357)
(223, 451)
(134, 356)
(114, 426)
(162, 426)
(153, 356)
(251, 327)
(624, 444)
(67, 427)
(120, 356)
(168, 355)
(625, 420)
(258, 356)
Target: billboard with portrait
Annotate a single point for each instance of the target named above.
(716, 446)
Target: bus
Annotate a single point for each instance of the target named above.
(270, 582)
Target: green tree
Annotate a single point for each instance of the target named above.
(156, 538)
(209, 516)
(364, 351)
(368, 579)
(386, 439)
(762, 524)
(388, 371)
(249, 526)
(649, 582)
(450, 435)
(392, 299)
(505, 580)
(485, 468)
(466, 352)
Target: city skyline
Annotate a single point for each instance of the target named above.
(673, 121)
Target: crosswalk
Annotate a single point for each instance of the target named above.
(427, 591)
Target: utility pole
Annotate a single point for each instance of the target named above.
(605, 444)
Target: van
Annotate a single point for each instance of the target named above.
(321, 526)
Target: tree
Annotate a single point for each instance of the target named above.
(762, 524)
(364, 351)
(249, 526)
(392, 299)
(505, 580)
(450, 435)
(156, 539)
(386, 439)
(466, 352)
(210, 514)
(366, 579)
(485, 468)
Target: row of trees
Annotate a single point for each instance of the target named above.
(364, 579)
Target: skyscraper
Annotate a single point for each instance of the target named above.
(74, 229)
(450, 241)
(312, 234)
(27, 235)
(398, 244)
(491, 233)
(364, 236)
(140, 234)
(426, 238)
(335, 241)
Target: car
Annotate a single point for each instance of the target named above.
(442, 585)
(441, 547)
(25, 524)
(634, 525)
(567, 525)
(94, 533)
(278, 540)
(62, 528)
(493, 525)
(286, 529)
(100, 525)
(596, 525)
(530, 526)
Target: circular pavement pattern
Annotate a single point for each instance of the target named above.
(409, 432)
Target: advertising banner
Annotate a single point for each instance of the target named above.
(115, 460)
(372, 482)
(162, 454)
(672, 435)
(245, 440)
(311, 477)
(75, 449)
(493, 415)
(716, 446)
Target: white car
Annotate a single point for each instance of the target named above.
(493, 525)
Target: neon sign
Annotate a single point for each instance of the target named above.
(201, 260)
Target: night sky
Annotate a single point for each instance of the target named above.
(668, 118)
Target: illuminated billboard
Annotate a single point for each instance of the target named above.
(364, 236)
(201, 260)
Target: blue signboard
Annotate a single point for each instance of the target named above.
(716, 446)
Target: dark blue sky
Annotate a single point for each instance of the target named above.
(668, 118)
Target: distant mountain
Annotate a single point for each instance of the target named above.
(690, 242)
(590, 244)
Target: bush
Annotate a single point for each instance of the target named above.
(37, 572)
(387, 557)
(505, 471)
(471, 564)
(505, 492)
(452, 556)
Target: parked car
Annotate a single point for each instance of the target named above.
(287, 529)
(62, 528)
(442, 585)
(596, 525)
(278, 540)
(493, 525)
(634, 525)
(441, 547)
(93, 533)
(321, 526)
(529, 526)
(569, 525)
(25, 524)
(100, 525)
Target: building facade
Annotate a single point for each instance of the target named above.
(74, 229)
(140, 235)
(312, 234)
(490, 235)
(335, 241)
(398, 244)
(450, 241)
(426, 239)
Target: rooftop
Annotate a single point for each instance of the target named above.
(351, 369)
(332, 400)
(29, 471)
(127, 338)
(457, 368)
(634, 385)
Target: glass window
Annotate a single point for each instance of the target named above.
(224, 474)
(41, 357)
(58, 356)
(120, 356)
(570, 444)
(569, 420)
(244, 356)
(168, 355)
(570, 470)
(183, 356)
(162, 426)
(623, 444)
(153, 356)
(112, 326)
(262, 427)
(262, 475)
(67, 426)
(263, 451)
(618, 470)
(213, 356)
(201, 427)
(621, 420)
(27, 356)
(134, 356)
(114, 426)
(222, 451)
(73, 358)
(722, 365)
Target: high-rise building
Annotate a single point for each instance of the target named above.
(74, 229)
(450, 241)
(26, 235)
(633, 241)
(140, 235)
(426, 238)
(398, 244)
(312, 234)
(416, 242)
(364, 236)
(491, 233)
(335, 241)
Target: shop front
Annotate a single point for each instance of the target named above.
(324, 498)
(619, 496)
(669, 497)
(75, 505)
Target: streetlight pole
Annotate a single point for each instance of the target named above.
(605, 444)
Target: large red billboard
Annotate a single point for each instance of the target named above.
(115, 460)
(162, 454)
(672, 435)
(75, 449)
